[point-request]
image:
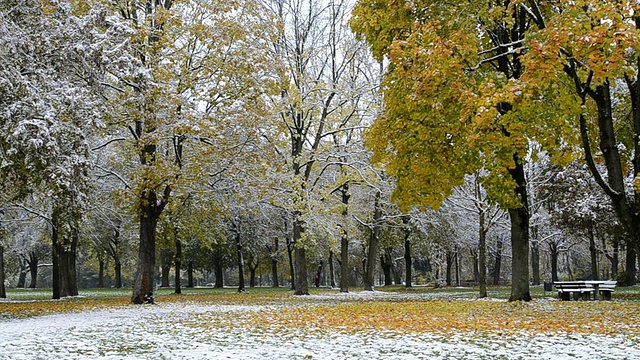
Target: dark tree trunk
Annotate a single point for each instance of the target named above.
(33, 269)
(3, 291)
(190, 283)
(594, 254)
(457, 261)
(482, 257)
(178, 265)
(118, 273)
(64, 247)
(301, 278)
(553, 251)
(613, 256)
(291, 263)
(252, 276)
(218, 272)
(344, 243)
(498, 262)
(372, 256)
(144, 280)
(407, 252)
(22, 278)
(449, 260)
(332, 276)
(101, 275)
(520, 237)
(385, 264)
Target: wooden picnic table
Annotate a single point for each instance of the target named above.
(584, 288)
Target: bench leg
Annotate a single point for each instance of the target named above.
(564, 296)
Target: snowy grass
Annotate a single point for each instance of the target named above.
(267, 324)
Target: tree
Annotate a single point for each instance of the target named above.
(184, 78)
(592, 78)
(455, 63)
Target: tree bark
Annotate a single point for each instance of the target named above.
(372, 255)
(144, 281)
(535, 256)
(385, 264)
(449, 261)
(22, 278)
(274, 264)
(64, 247)
(219, 275)
(290, 251)
(332, 276)
(520, 237)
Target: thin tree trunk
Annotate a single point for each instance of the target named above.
(594, 254)
(449, 261)
(385, 264)
(332, 275)
(101, 274)
(482, 256)
(178, 265)
(498, 262)
(554, 261)
(372, 255)
(190, 283)
(407, 252)
(344, 242)
(3, 291)
(274, 263)
(22, 278)
(535, 256)
(291, 263)
(457, 260)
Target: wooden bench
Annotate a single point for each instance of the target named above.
(579, 289)
(607, 289)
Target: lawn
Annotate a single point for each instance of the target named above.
(392, 323)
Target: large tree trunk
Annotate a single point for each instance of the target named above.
(301, 278)
(520, 237)
(178, 265)
(118, 273)
(64, 239)
(219, 275)
(33, 269)
(407, 252)
(372, 256)
(144, 280)
(449, 261)
(22, 278)
(3, 291)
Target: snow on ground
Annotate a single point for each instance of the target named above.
(196, 331)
